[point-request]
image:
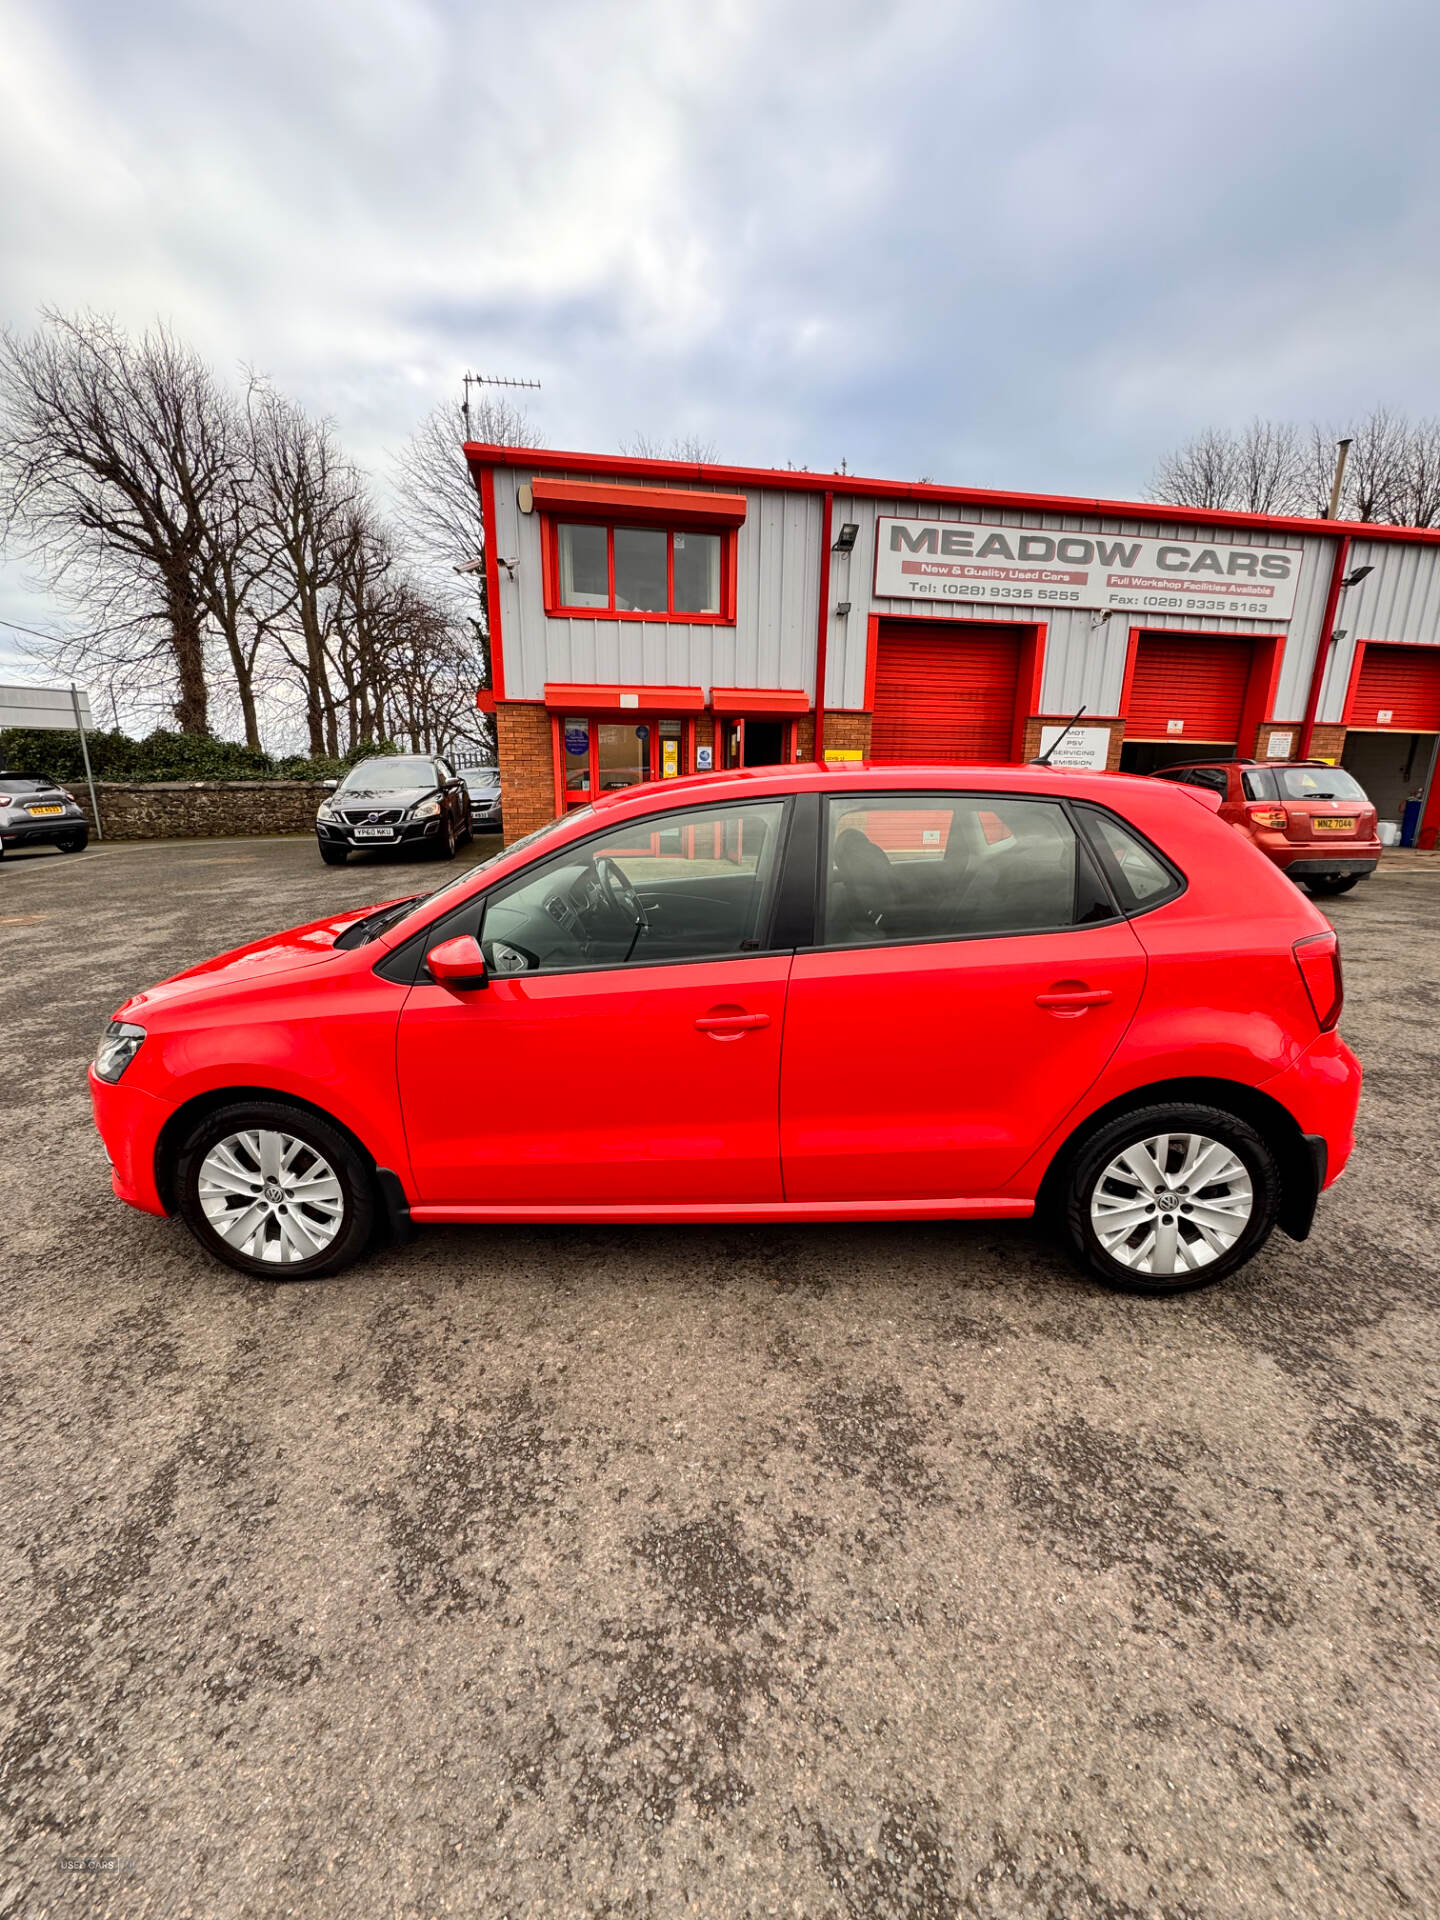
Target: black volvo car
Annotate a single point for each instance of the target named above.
(394, 800)
(36, 811)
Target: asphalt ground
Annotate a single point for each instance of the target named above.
(888, 1573)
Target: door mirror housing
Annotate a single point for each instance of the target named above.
(458, 964)
(330, 785)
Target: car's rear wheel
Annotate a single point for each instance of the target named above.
(275, 1191)
(1171, 1197)
(1324, 889)
(333, 856)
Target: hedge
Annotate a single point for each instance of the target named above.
(160, 756)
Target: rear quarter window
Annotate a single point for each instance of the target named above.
(1140, 875)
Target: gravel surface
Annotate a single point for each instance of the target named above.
(858, 1573)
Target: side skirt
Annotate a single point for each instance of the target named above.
(759, 1211)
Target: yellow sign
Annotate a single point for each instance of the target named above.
(842, 753)
(669, 759)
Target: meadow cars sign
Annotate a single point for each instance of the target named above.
(955, 560)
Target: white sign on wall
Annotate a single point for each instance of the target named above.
(1006, 564)
(1278, 746)
(1082, 747)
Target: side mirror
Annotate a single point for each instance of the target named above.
(458, 964)
(330, 785)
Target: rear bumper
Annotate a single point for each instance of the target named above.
(129, 1123)
(43, 833)
(1322, 1092)
(1311, 867)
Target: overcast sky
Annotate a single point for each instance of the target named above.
(1028, 245)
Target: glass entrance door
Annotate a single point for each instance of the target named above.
(607, 756)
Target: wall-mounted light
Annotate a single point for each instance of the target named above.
(525, 498)
(1354, 579)
(842, 608)
(846, 538)
(1338, 635)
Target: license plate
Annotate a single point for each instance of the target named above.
(39, 810)
(1335, 826)
(374, 833)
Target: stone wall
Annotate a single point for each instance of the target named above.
(202, 809)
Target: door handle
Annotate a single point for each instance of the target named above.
(1074, 999)
(730, 1026)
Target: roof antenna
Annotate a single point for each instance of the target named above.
(1044, 759)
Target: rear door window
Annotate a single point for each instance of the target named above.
(950, 866)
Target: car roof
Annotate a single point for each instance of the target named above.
(866, 777)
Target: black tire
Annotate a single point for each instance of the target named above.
(355, 1175)
(333, 856)
(77, 842)
(1097, 1153)
(469, 833)
(1326, 889)
(445, 841)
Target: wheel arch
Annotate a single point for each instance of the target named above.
(1300, 1176)
(167, 1146)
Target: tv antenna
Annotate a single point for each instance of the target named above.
(488, 380)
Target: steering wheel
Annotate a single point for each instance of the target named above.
(618, 891)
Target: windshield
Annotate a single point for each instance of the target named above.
(482, 776)
(389, 776)
(1318, 783)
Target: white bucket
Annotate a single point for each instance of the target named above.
(1388, 832)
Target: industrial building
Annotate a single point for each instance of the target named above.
(653, 618)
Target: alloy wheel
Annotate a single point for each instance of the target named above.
(1172, 1203)
(271, 1196)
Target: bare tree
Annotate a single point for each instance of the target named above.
(680, 446)
(1392, 472)
(111, 453)
(308, 500)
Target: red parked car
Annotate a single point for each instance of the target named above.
(1313, 820)
(794, 994)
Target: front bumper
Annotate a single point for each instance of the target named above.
(129, 1122)
(405, 833)
(43, 833)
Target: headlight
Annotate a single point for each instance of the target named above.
(118, 1046)
(424, 809)
(325, 810)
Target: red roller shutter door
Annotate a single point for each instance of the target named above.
(1199, 679)
(946, 696)
(1403, 682)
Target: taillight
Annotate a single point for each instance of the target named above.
(1318, 958)
(1269, 817)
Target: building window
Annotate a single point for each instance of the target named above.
(653, 573)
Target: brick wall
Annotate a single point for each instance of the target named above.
(1328, 743)
(527, 767)
(198, 810)
(846, 732)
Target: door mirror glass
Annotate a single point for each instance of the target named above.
(458, 964)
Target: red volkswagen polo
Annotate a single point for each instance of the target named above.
(791, 994)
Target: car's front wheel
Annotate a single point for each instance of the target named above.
(1171, 1197)
(77, 842)
(275, 1191)
(333, 856)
